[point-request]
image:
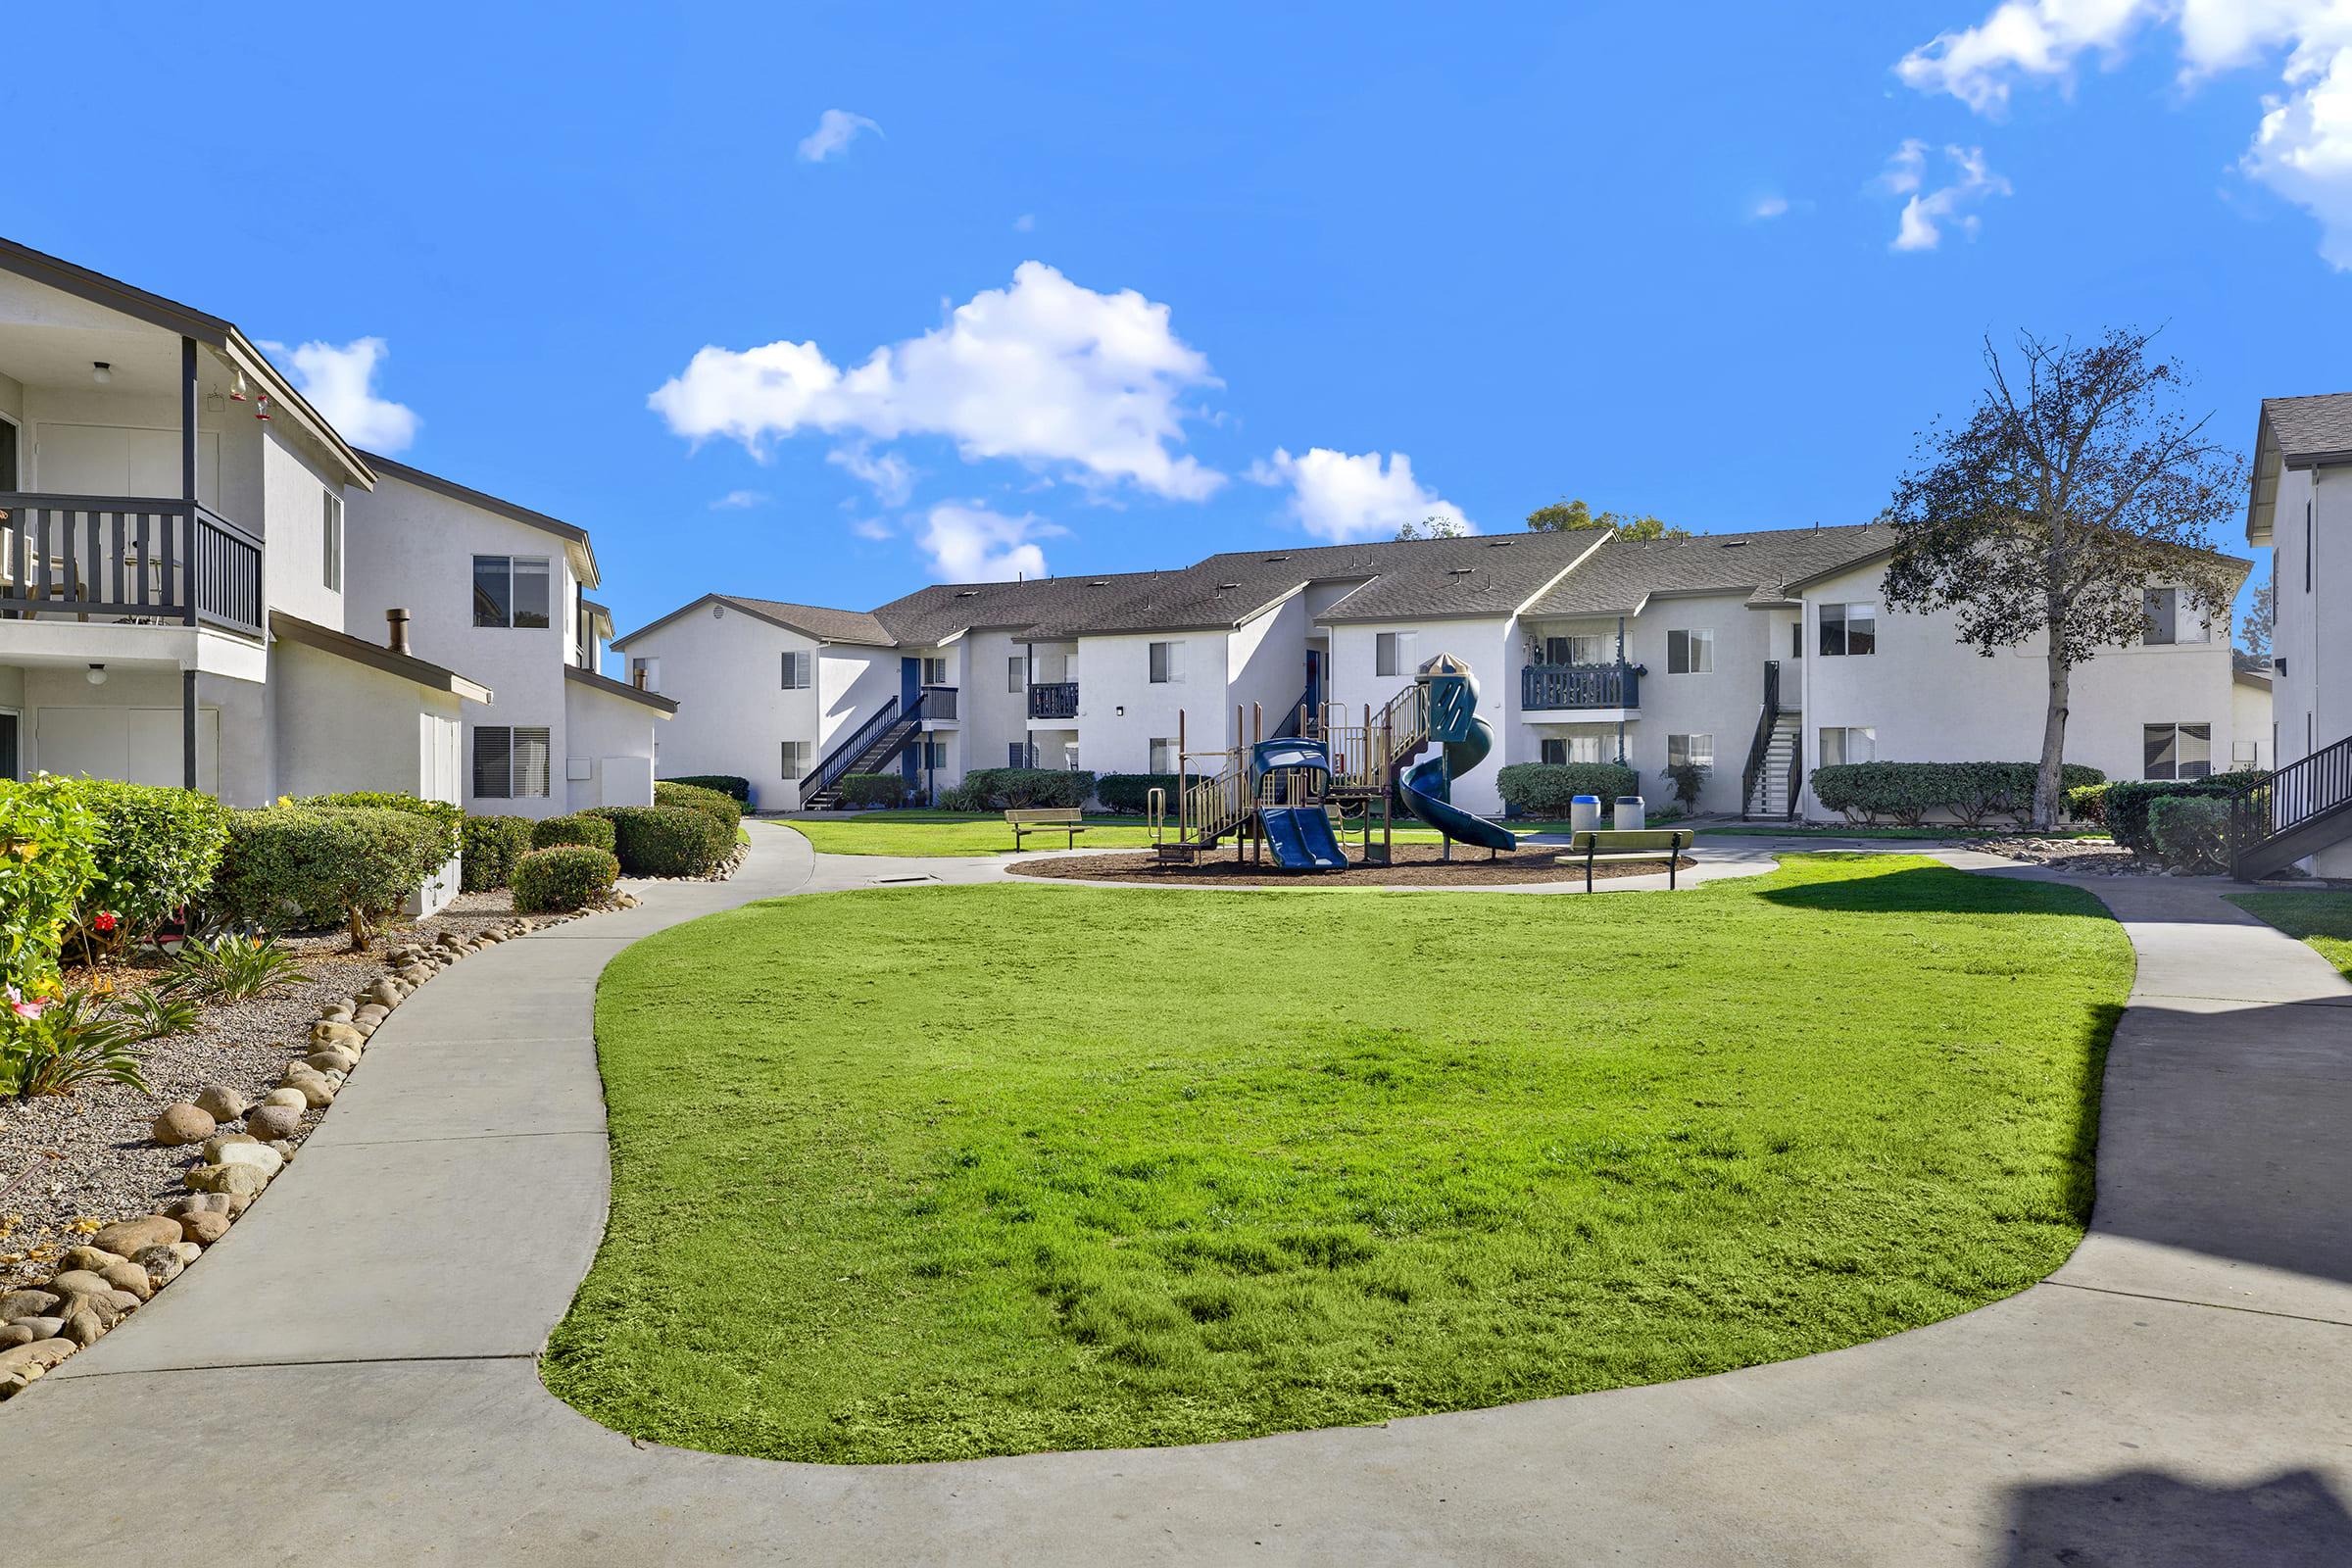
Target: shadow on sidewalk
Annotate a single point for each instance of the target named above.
(2149, 1519)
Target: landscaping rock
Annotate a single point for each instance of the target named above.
(328, 1036)
(161, 1264)
(214, 1145)
(220, 1103)
(97, 1259)
(43, 1353)
(131, 1277)
(234, 1180)
(274, 1122)
(290, 1098)
(285, 1148)
(331, 1061)
(183, 1123)
(385, 993)
(204, 1228)
(15, 1334)
(316, 1092)
(17, 1306)
(181, 1209)
(186, 1251)
(75, 1282)
(84, 1329)
(43, 1328)
(125, 1237)
(259, 1154)
(373, 1012)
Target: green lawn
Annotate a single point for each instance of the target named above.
(925, 1174)
(923, 832)
(1948, 832)
(2323, 919)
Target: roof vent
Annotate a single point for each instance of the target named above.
(1733, 544)
(967, 593)
(1459, 571)
(1499, 544)
(1100, 582)
(1221, 587)
(1271, 559)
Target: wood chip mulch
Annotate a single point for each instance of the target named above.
(1416, 866)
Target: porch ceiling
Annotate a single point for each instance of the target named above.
(144, 360)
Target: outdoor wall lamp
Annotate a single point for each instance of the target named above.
(97, 675)
(101, 372)
(1119, 712)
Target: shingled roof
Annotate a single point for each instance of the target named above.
(1763, 564)
(930, 615)
(2309, 429)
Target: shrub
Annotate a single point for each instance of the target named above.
(236, 968)
(490, 847)
(2126, 803)
(293, 867)
(961, 798)
(595, 832)
(1547, 789)
(1012, 788)
(155, 852)
(155, 1013)
(564, 877)
(1908, 793)
(47, 855)
(1688, 779)
(736, 789)
(721, 807)
(448, 819)
(54, 1048)
(2192, 832)
(1130, 794)
(872, 788)
(666, 840)
(2087, 803)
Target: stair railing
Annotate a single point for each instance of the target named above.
(2319, 785)
(844, 757)
(1753, 773)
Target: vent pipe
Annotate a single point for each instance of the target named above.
(397, 630)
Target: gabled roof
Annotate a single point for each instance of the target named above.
(2306, 432)
(376, 656)
(571, 534)
(1481, 576)
(2251, 669)
(599, 682)
(1765, 564)
(818, 622)
(937, 614)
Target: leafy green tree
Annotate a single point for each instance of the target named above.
(1570, 516)
(1437, 525)
(2073, 488)
(2261, 616)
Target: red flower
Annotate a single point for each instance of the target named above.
(103, 921)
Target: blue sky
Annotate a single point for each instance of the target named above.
(1640, 254)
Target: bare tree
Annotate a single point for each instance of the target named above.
(2262, 618)
(2074, 488)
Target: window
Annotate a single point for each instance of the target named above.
(935, 671)
(1577, 648)
(332, 540)
(2176, 751)
(1796, 639)
(1393, 653)
(1850, 629)
(1164, 754)
(796, 673)
(1853, 744)
(1689, 652)
(1572, 749)
(934, 755)
(509, 765)
(1014, 672)
(796, 758)
(1017, 754)
(510, 591)
(1697, 750)
(1167, 664)
(644, 672)
(2172, 617)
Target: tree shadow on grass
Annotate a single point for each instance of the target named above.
(1934, 890)
(2152, 1519)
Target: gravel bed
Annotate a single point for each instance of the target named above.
(2074, 856)
(1415, 866)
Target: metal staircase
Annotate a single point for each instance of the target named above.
(2300, 809)
(875, 741)
(1772, 782)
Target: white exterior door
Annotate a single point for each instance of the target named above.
(114, 460)
(136, 744)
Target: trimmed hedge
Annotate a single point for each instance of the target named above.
(873, 788)
(563, 878)
(1130, 794)
(448, 818)
(595, 832)
(666, 840)
(2192, 832)
(47, 835)
(718, 806)
(155, 852)
(1010, 789)
(1908, 793)
(1547, 789)
(488, 848)
(739, 790)
(2128, 802)
(302, 868)
(2088, 803)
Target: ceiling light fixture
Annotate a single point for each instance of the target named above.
(101, 372)
(97, 675)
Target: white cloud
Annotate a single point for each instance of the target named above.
(892, 479)
(1339, 495)
(835, 129)
(1045, 373)
(1024, 223)
(2302, 148)
(1926, 214)
(740, 501)
(340, 383)
(873, 528)
(1766, 208)
(968, 543)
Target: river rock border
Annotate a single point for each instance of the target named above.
(120, 1266)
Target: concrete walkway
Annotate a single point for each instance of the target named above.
(348, 1378)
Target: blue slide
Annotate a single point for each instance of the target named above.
(1464, 741)
(1301, 839)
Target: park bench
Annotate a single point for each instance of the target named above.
(1588, 849)
(1064, 819)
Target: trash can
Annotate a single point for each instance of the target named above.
(1583, 813)
(1632, 814)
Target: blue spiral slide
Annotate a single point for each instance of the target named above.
(1464, 740)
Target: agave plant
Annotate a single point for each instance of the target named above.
(157, 1014)
(233, 968)
(55, 1047)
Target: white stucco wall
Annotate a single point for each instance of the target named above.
(345, 727)
(135, 721)
(294, 487)
(1265, 661)
(1480, 644)
(2312, 640)
(607, 735)
(994, 717)
(1115, 674)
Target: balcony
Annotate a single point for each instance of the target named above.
(1053, 700)
(939, 703)
(127, 559)
(1549, 688)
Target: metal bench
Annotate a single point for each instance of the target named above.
(1064, 819)
(1594, 846)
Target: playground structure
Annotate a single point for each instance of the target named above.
(1290, 794)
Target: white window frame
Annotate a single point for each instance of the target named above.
(515, 563)
(2179, 729)
(332, 543)
(1395, 653)
(651, 665)
(935, 670)
(1691, 749)
(1698, 651)
(1845, 747)
(1017, 674)
(1163, 663)
(2188, 628)
(511, 736)
(792, 759)
(1844, 622)
(1163, 754)
(798, 669)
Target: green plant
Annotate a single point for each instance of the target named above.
(2088, 803)
(48, 839)
(563, 878)
(719, 807)
(1007, 789)
(667, 840)
(739, 789)
(490, 845)
(2128, 802)
(155, 850)
(55, 1047)
(1548, 789)
(233, 968)
(2191, 832)
(1688, 779)
(156, 1013)
(296, 867)
(581, 827)
(448, 818)
(1909, 793)
(872, 788)
(1130, 794)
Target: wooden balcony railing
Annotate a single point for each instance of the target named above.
(1053, 700)
(939, 702)
(1544, 687)
(127, 559)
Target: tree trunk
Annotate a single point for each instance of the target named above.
(2049, 785)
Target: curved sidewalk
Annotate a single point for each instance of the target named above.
(350, 1377)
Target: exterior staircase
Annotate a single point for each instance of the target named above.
(875, 743)
(1772, 795)
(2300, 809)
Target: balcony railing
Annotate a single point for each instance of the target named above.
(127, 559)
(1053, 700)
(939, 702)
(1544, 687)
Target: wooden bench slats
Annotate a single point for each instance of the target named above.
(1064, 819)
(1596, 845)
